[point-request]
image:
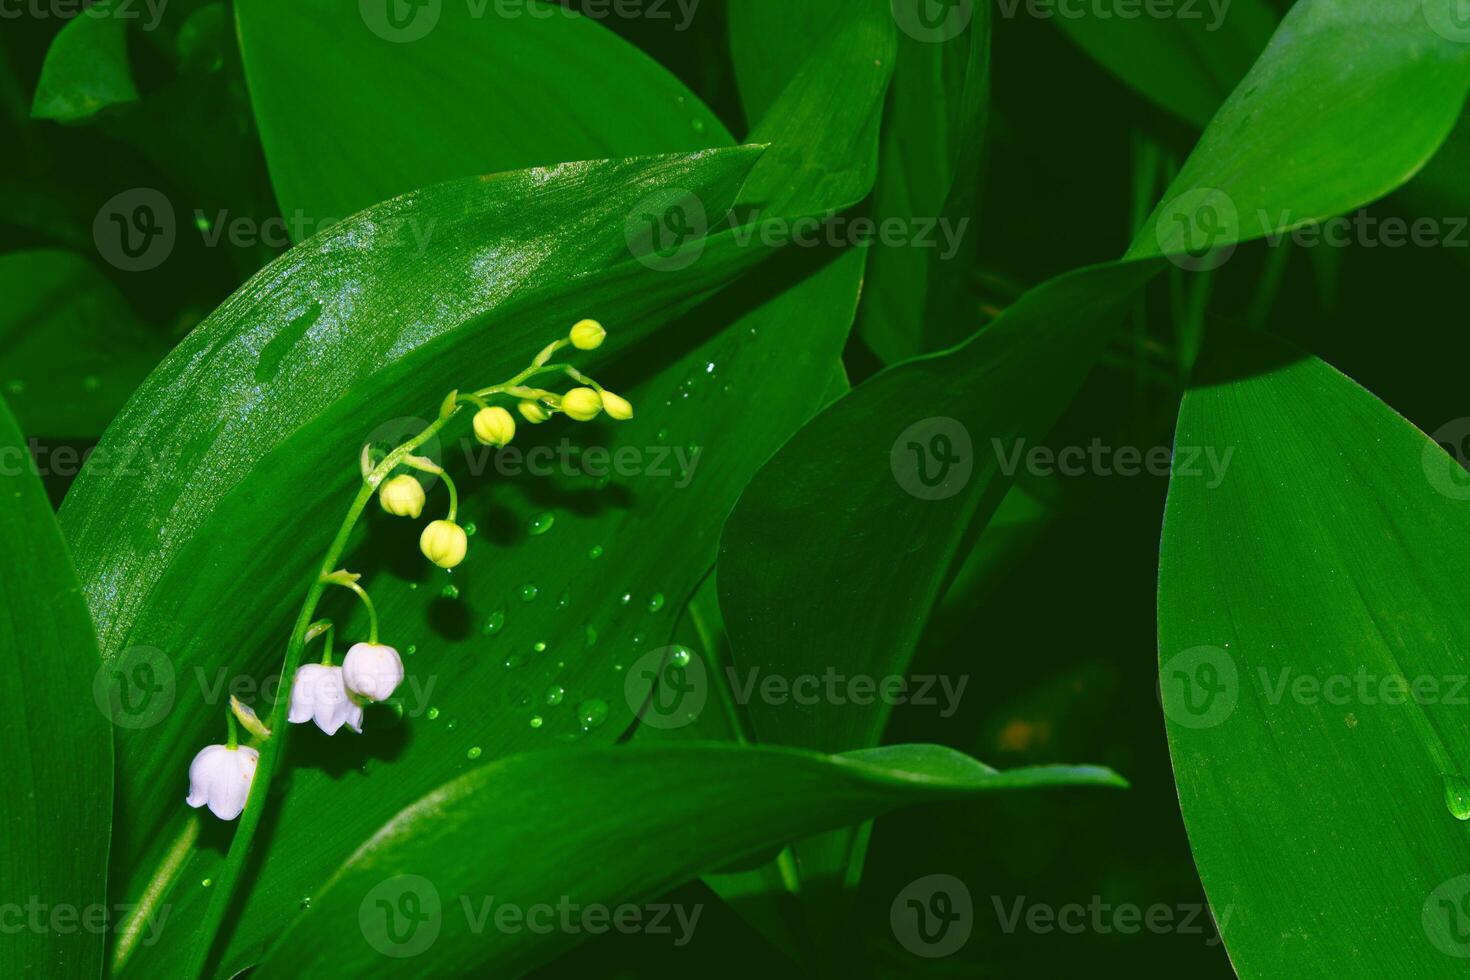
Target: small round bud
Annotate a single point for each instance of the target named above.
(533, 412)
(494, 426)
(587, 335)
(402, 496)
(444, 543)
(616, 406)
(582, 404)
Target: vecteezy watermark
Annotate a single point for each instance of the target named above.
(667, 231)
(135, 229)
(64, 919)
(933, 21)
(1446, 459)
(566, 458)
(1104, 918)
(1199, 687)
(1450, 19)
(933, 916)
(1202, 686)
(933, 459)
(1211, 13)
(150, 12)
(669, 687)
(1446, 917)
(402, 21)
(140, 686)
(1200, 229)
(402, 917)
(1100, 459)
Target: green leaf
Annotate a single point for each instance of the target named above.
(854, 473)
(251, 430)
(1295, 595)
(919, 296)
(1185, 64)
(609, 827)
(86, 68)
(71, 349)
(461, 89)
(57, 765)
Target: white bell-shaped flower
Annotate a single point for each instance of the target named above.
(318, 694)
(372, 671)
(220, 778)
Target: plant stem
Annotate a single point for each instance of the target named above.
(271, 752)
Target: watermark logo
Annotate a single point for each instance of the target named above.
(1199, 229)
(933, 458)
(1449, 476)
(136, 688)
(1200, 687)
(666, 230)
(135, 230)
(667, 688)
(1446, 917)
(401, 917)
(400, 21)
(1450, 19)
(933, 21)
(933, 916)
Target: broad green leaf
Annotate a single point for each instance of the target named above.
(860, 472)
(71, 349)
(56, 769)
(447, 91)
(1311, 650)
(1186, 63)
(771, 40)
(710, 380)
(87, 67)
(617, 826)
(250, 432)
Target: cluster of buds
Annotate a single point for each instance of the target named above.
(334, 696)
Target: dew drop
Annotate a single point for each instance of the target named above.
(554, 695)
(529, 592)
(306, 902)
(495, 623)
(537, 721)
(453, 724)
(541, 523)
(680, 657)
(1457, 795)
(514, 659)
(595, 552)
(656, 602)
(411, 649)
(470, 529)
(663, 435)
(474, 752)
(450, 591)
(564, 601)
(625, 598)
(591, 713)
(539, 646)
(207, 883)
(591, 635)
(433, 713)
(699, 125)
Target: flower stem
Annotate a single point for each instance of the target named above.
(273, 750)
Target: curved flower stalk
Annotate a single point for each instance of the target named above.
(333, 696)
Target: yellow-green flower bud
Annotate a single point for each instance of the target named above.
(587, 335)
(533, 412)
(616, 406)
(494, 426)
(582, 404)
(444, 543)
(402, 496)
